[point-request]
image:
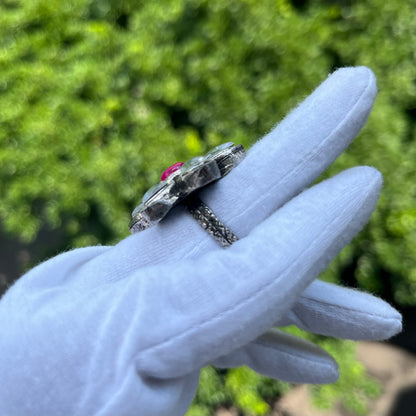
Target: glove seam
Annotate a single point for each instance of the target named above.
(277, 347)
(344, 308)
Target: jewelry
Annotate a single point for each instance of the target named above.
(180, 183)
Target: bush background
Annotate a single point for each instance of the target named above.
(97, 97)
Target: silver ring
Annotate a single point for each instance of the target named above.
(180, 184)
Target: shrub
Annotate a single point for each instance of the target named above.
(97, 97)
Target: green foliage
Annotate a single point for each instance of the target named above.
(99, 96)
(251, 393)
(354, 387)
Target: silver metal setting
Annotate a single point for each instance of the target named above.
(209, 221)
(182, 186)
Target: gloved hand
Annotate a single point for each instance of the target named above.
(125, 330)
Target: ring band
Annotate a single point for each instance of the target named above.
(180, 183)
(206, 218)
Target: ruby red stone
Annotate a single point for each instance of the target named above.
(170, 170)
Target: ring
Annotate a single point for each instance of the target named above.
(180, 183)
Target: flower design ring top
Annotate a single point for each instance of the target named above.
(181, 181)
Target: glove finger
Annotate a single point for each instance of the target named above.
(207, 307)
(328, 309)
(276, 168)
(285, 357)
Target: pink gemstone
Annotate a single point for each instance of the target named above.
(170, 170)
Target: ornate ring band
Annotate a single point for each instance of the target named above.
(180, 183)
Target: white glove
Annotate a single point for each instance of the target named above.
(125, 330)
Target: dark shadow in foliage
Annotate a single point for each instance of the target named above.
(407, 338)
(405, 403)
